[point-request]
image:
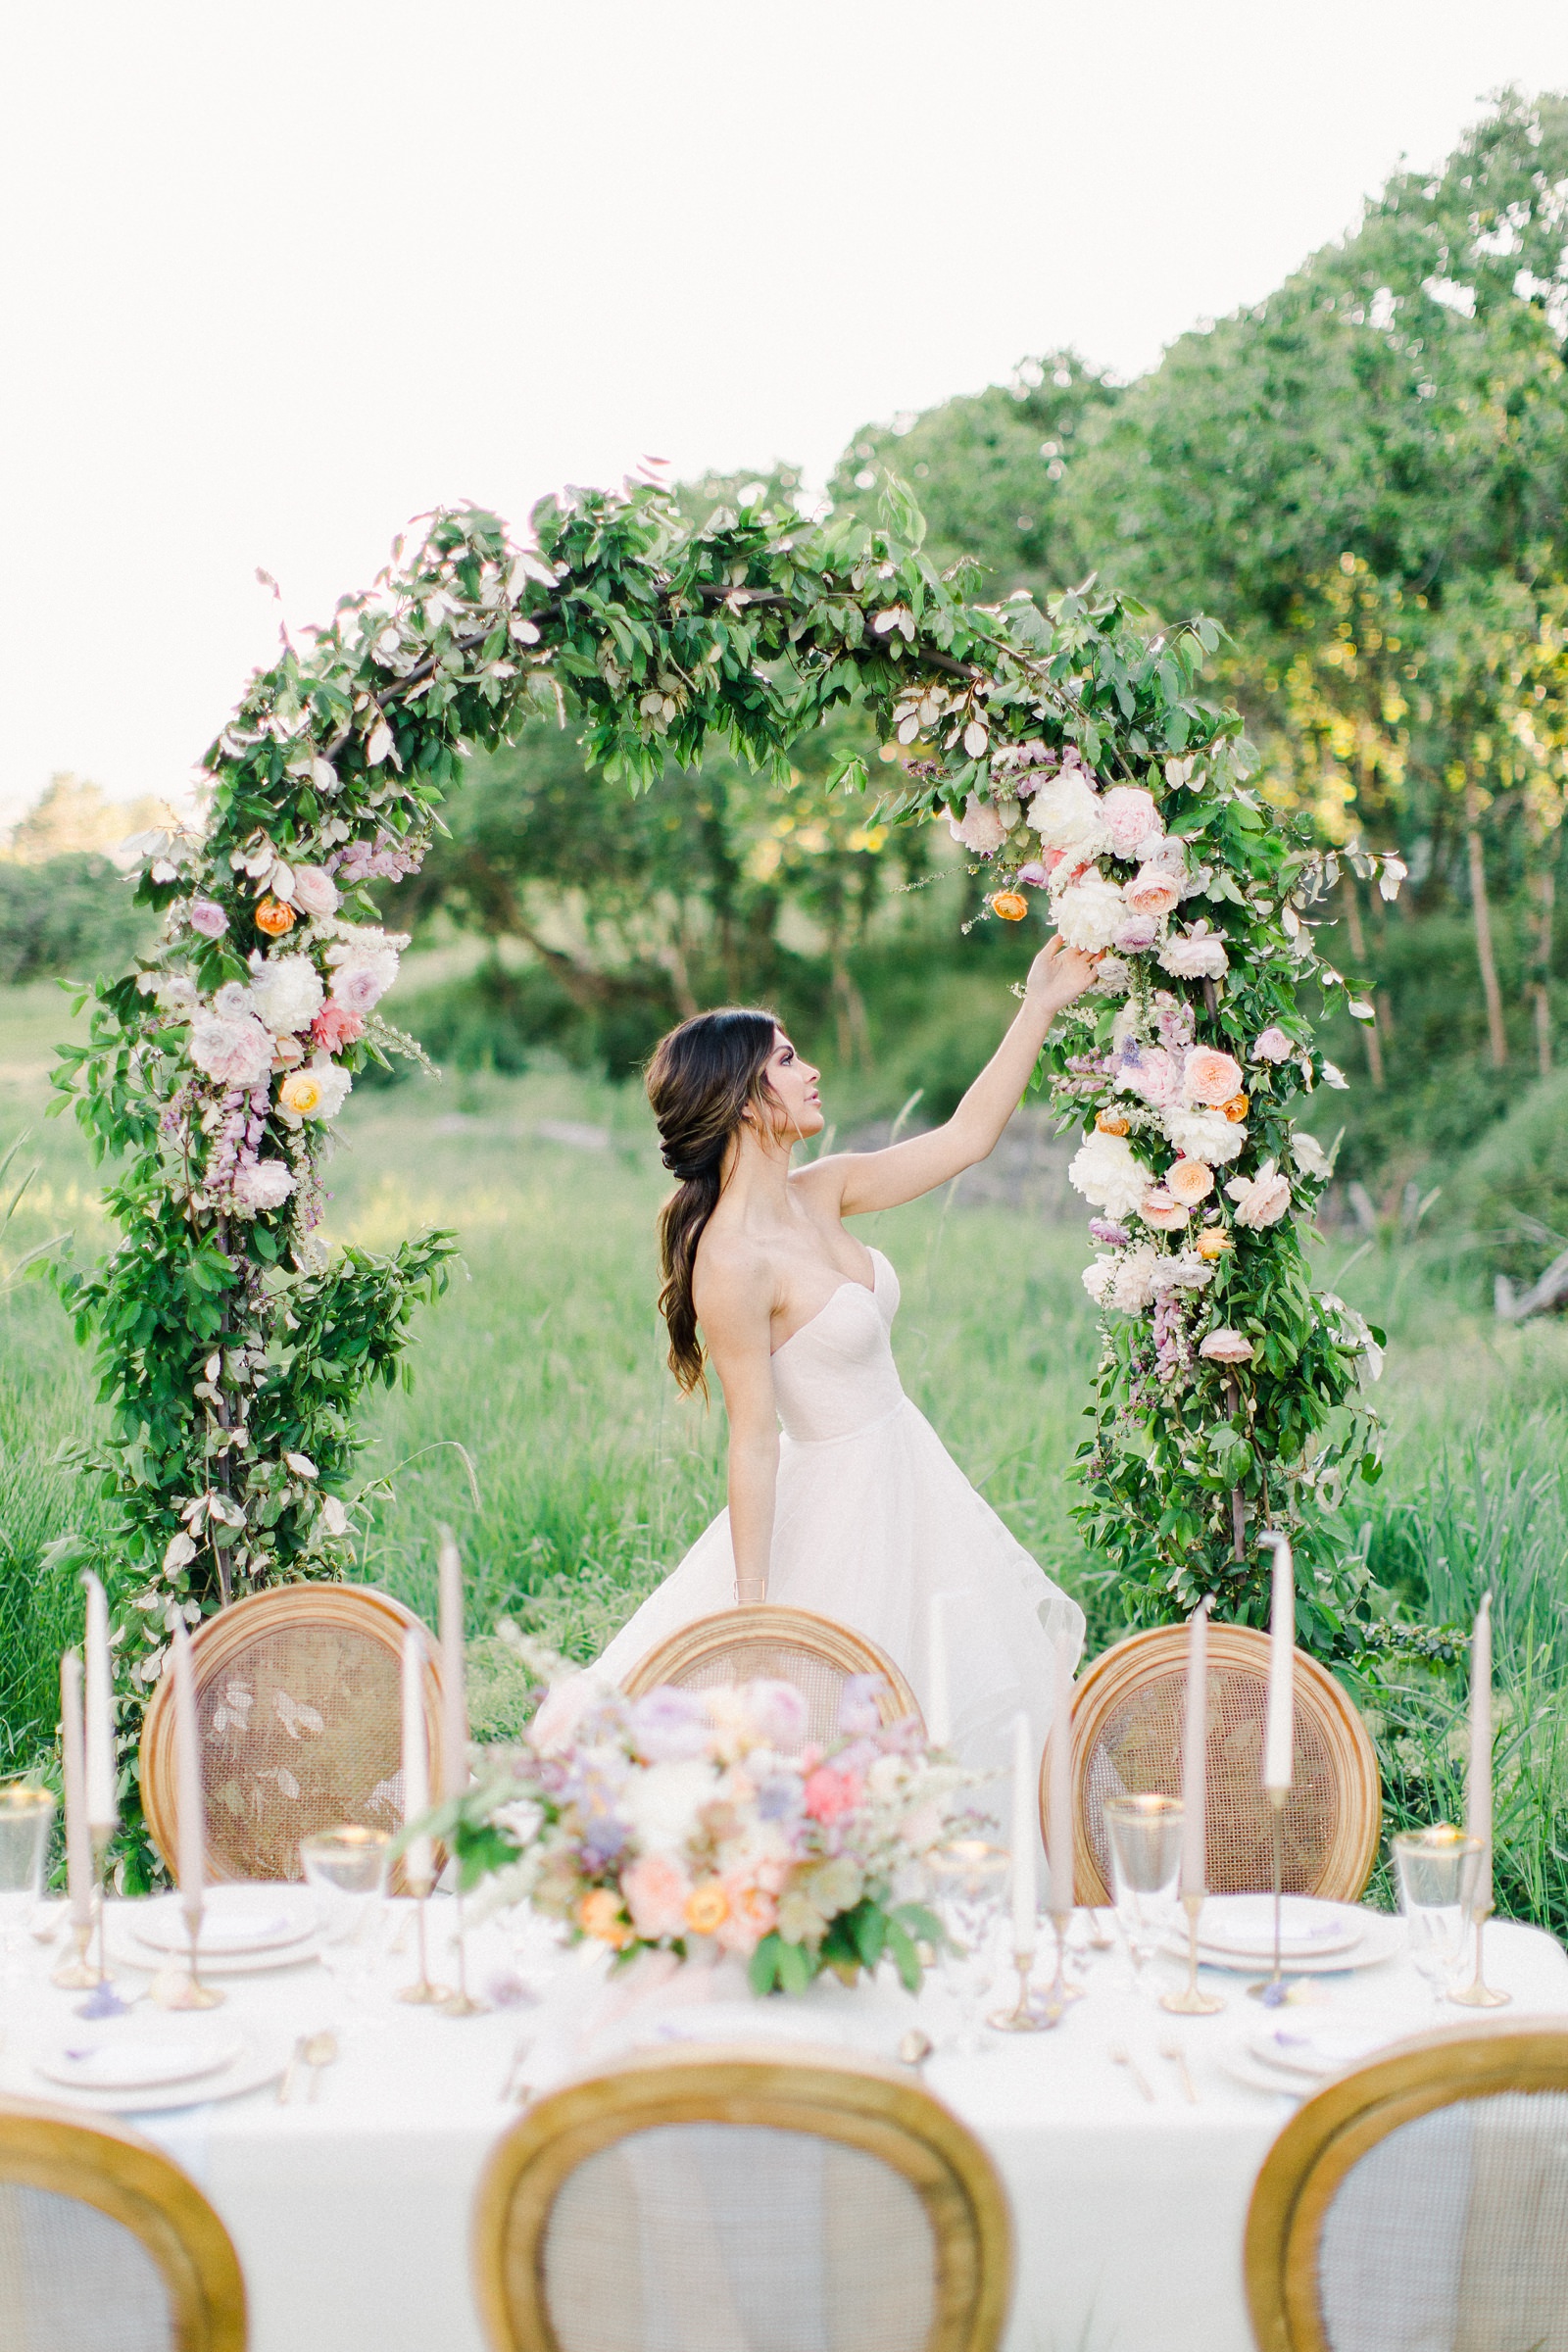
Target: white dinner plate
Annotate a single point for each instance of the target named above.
(126, 1951)
(1236, 2061)
(261, 2060)
(1243, 1926)
(1382, 1937)
(106, 2061)
(1315, 2053)
(236, 1922)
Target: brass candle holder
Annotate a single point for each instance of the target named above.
(1061, 1991)
(77, 1975)
(422, 1993)
(1478, 1994)
(1028, 2016)
(1271, 1991)
(1190, 2001)
(188, 1992)
(462, 2003)
(103, 2000)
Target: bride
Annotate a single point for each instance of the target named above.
(856, 1510)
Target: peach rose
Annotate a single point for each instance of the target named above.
(1107, 1124)
(301, 1093)
(656, 1893)
(1212, 1246)
(1209, 1076)
(274, 917)
(752, 1914)
(598, 1916)
(706, 1908)
(1151, 891)
(1189, 1181)
(1011, 904)
(1161, 1211)
(1261, 1200)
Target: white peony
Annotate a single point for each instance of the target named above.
(1098, 1279)
(1133, 1290)
(1107, 1171)
(266, 1183)
(980, 828)
(235, 1052)
(336, 1085)
(1066, 815)
(661, 1804)
(1131, 814)
(287, 994)
(1195, 954)
(1204, 1135)
(1182, 1270)
(177, 994)
(1090, 912)
(1309, 1155)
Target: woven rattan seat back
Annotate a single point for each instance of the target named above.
(1421, 2204)
(740, 2198)
(106, 2246)
(299, 1707)
(764, 1643)
(1127, 1721)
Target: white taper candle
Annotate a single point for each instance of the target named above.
(454, 1693)
(78, 1844)
(191, 1857)
(1061, 1805)
(939, 1699)
(1478, 1780)
(102, 1809)
(419, 1862)
(1195, 1753)
(1025, 1834)
(1279, 1745)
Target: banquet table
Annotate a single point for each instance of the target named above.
(351, 2209)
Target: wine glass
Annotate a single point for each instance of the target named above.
(346, 1870)
(1435, 1870)
(969, 1876)
(25, 1817)
(1145, 1836)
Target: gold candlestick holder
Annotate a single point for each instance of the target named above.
(1028, 2016)
(188, 1992)
(1271, 1991)
(1478, 1994)
(462, 2003)
(1060, 1993)
(1190, 2001)
(77, 1975)
(103, 1999)
(422, 1993)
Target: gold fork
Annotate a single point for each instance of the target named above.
(1177, 2056)
(1120, 2055)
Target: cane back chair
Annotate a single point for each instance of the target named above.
(1420, 2204)
(105, 2245)
(1127, 1721)
(763, 1642)
(704, 2202)
(299, 1710)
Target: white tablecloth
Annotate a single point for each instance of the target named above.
(352, 2215)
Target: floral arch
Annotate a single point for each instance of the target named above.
(1078, 761)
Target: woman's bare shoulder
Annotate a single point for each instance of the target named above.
(733, 1270)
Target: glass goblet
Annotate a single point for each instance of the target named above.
(1145, 1837)
(969, 1876)
(346, 1871)
(1435, 1870)
(25, 1817)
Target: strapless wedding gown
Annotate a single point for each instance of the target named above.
(872, 1518)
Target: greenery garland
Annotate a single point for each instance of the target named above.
(233, 1353)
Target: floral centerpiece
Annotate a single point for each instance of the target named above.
(692, 1819)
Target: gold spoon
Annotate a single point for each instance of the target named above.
(319, 2053)
(1119, 2055)
(1177, 2056)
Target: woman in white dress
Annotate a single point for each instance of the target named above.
(856, 1509)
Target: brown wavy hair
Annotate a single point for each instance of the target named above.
(701, 1078)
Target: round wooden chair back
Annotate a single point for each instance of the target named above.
(299, 1707)
(106, 2245)
(743, 2197)
(1127, 1722)
(763, 1642)
(1421, 2201)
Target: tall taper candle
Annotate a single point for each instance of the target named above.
(102, 1809)
(419, 1862)
(939, 1701)
(454, 1693)
(1478, 1781)
(1060, 1806)
(1279, 1743)
(1195, 1753)
(1025, 1834)
(78, 1844)
(192, 1839)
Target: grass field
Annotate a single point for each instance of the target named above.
(589, 1477)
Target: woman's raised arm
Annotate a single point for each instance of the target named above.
(868, 1180)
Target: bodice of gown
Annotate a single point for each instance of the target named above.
(836, 1376)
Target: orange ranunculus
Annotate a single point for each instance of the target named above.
(1109, 1123)
(599, 1914)
(1236, 1109)
(274, 917)
(1212, 1246)
(1011, 904)
(706, 1908)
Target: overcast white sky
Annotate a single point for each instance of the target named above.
(277, 277)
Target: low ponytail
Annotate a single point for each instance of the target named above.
(702, 1077)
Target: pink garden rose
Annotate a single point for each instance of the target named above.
(1227, 1347)
(1137, 936)
(1130, 813)
(1152, 1074)
(656, 1890)
(979, 828)
(1261, 1200)
(1189, 1181)
(1151, 891)
(335, 1027)
(830, 1794)
(1271, 1045)
(265, 1184)
(208, 919)
(1195, 954)
(314, 890)
(1210, 1077)
(752, 1914)
(1163, 1210)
